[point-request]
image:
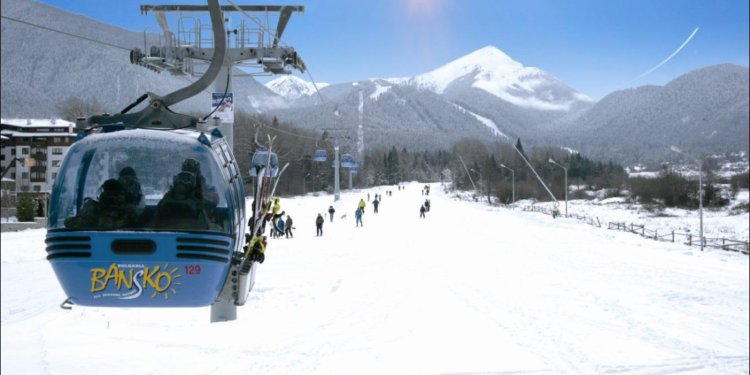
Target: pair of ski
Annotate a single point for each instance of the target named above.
(261, 201)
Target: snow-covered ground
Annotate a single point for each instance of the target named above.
(717, 223)
(469, 289)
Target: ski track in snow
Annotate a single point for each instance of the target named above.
(469, 289)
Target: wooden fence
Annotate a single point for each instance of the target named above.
(671, 236)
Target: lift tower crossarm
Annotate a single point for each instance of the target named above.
(224, 8)
(157, 114)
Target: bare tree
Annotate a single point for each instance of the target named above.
(74, 107)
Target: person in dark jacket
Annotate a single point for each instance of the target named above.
(319, 225)
(111, 211)
(180, 208)
(133, 192)
(375, 204)
(330, 212)
(289, 227)
(421, 212)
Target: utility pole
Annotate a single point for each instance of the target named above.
(336, 134)
(566, 183)
(513, 186)
(700, 188)
(336, 165)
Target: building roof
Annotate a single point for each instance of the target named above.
(36, 123)
(16, 134)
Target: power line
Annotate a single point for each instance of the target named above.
(286, 132)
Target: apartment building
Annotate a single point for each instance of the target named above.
(40, 145)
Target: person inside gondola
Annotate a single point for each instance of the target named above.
(133, 192)
(180, 207)
(204, 192)
(111, 211)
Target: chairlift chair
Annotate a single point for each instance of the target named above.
(347, 161)
(260, 159)
(320, 155)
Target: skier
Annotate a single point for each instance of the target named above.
(362, 205)
(421, 212)
(375, 204)
(358, 216)
(279, 228)
(289, 227)
(330, 212)
(319, 225)
(427, 205)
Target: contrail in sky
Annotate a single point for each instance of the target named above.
(669, 57)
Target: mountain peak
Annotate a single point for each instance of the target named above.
(485, 59)
(493, 71)
(491, 55)
(292, 87)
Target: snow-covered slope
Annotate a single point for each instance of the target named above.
(402, 295)
(292, 87)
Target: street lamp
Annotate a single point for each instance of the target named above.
(566, 184)
(513, 175)
(700, 188)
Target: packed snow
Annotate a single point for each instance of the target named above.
(469, 289)
(484, 120)
(379, 90)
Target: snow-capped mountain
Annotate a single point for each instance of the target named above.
(292, 87)
(484, 94)
(491, 70)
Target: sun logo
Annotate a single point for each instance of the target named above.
(165, 282)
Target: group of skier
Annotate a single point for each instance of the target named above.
(280, 227)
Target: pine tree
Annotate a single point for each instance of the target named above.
(25, 209)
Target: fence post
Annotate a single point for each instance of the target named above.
(656, 234)
(643, 231)
(672, 236)
(723, 246)
(690, 239)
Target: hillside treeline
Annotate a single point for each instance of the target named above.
(497, 172)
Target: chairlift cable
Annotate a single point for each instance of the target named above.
(65, 33)
(260, 25)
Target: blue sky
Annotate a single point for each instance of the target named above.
(596, 47)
